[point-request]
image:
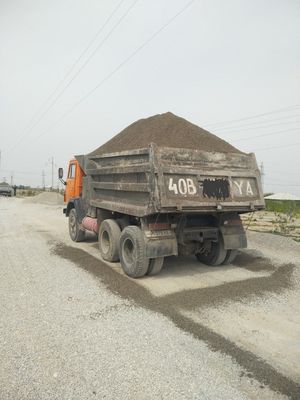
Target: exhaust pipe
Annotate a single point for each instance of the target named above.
(90, 224)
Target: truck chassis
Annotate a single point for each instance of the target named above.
(148, 204)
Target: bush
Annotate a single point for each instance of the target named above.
(283, 206)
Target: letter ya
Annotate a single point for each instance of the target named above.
(249, 189)
(239, 185)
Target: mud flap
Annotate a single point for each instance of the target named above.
(159, 245)
(234, 237)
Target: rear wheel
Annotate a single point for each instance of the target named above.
(108, 240)
(76, 234)
(155, 266)
(132, 252)
(215, 256)
(230, 256)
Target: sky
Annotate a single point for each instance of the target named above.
(74, 73)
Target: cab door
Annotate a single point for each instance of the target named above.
(71, 181)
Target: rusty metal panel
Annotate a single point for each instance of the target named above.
(120, 182)
(160, 179)
(121, 186)
(192, 179)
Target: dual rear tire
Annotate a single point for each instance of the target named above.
(129, 247)
(217, 255)
(132, 251)
(108, 240)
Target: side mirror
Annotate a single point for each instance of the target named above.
(60, 175)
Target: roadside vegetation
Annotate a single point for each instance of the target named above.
(27, 191)
(280, 218)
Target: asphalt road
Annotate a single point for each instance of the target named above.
(74, 327)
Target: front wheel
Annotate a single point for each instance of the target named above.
(215, 256)
(76, 234)
(132, 251)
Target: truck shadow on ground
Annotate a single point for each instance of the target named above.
(170, 305)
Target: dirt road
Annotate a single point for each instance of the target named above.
(74, 327)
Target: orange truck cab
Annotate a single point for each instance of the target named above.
(74, 181)
(73, 185)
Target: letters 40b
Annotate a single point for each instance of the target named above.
(219, 188)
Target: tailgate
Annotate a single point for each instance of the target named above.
(193, 179)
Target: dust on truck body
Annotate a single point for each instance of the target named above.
(154, 202)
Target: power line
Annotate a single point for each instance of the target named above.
(258, 125)
(280, 184)
(60, 93)
(280, 110)
(260, 122)
(285, 173)
(19, 172)
(114, 71)
(85, 50)
(279, 147)
(279, 181)
(266, 134)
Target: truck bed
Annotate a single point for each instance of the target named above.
(163, 180)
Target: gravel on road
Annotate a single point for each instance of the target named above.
(73, 327)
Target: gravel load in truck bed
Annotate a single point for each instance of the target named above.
(167, 130)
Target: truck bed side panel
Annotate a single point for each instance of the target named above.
(121, 182)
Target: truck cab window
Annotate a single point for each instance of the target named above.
(72, 170)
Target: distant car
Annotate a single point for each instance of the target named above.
(6, 189)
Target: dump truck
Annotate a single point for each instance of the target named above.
(149, 203)
(6, 189)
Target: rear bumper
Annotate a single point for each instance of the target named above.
(205, 208)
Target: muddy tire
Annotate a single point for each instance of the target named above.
(230, 257)
(76, 234)
(216, 256)
(108, 240)
(155, 266)
(132, 252)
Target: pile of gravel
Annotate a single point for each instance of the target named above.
(165, 130)
(50, 198)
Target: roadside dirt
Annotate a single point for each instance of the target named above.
(271, 222)
(50, 198)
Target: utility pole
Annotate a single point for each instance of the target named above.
(0, 159)
(262, 174)
(43, 180)
(11, 178)
(52, 167)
